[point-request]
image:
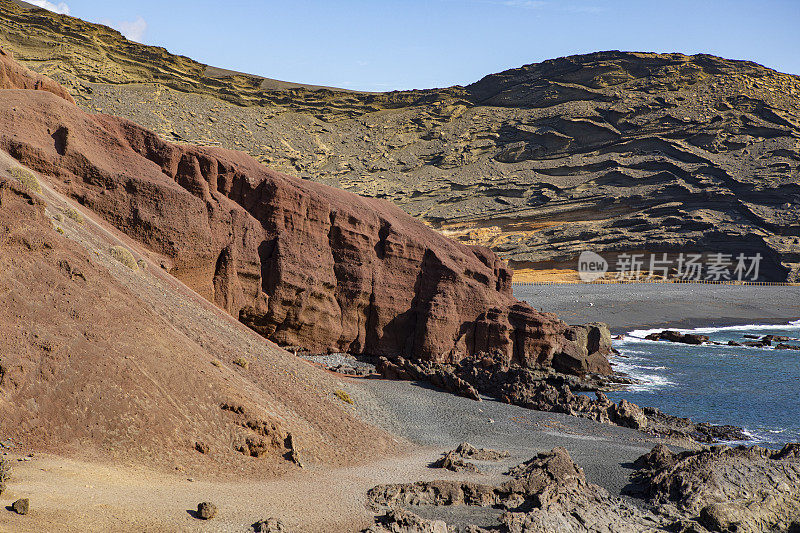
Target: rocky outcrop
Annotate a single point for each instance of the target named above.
(468, 451)
(455, 460)
(301, 263)
(719, 489)
(617, 152)
(548, 493)
(402, 521)
(742, 489)
(677, 336)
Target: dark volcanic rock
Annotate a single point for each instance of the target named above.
(270, 525)
(21, 506)
(784, 346)
(677, 336)
(301, 263)
(548, 493)
(206, 510)
(552, 392)
(454, 462)
(402, 521)
(455, 459)
(465, 449)
(743, 489)
(720, 489)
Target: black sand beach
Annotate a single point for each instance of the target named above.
(644, 305)
(439, 421)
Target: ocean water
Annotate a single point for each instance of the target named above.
(754, 388)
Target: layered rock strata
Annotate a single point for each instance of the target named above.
(301, 263)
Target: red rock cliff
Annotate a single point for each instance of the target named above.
(301, 263)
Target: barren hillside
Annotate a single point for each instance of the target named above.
(612, 151)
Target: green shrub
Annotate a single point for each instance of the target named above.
(242, 362)
(74, 215)
(342, 395)
(60, 230)
(27, 179)
(124, 256)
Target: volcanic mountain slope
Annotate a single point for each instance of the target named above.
(106, 356)
(304, 264)
(611, 151)
(112, 361)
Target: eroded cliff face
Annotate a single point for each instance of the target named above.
(301, 263)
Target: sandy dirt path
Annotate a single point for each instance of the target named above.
(69, 496)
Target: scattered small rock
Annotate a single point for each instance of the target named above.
(270, 525)
(206, 511)
(21, 506)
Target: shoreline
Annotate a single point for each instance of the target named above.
(674, 378)
(626, 307)
(684, 325)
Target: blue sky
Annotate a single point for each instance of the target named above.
(383, 45)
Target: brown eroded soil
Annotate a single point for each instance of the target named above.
(104, 362)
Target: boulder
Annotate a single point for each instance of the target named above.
(206, 511)
(21, 506)
(677, 336)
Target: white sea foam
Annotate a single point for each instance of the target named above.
(642, 333)
(638, 335)
(646, 380)
(640, 361)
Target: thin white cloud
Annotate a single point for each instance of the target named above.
(132, 29)
(60, 7)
